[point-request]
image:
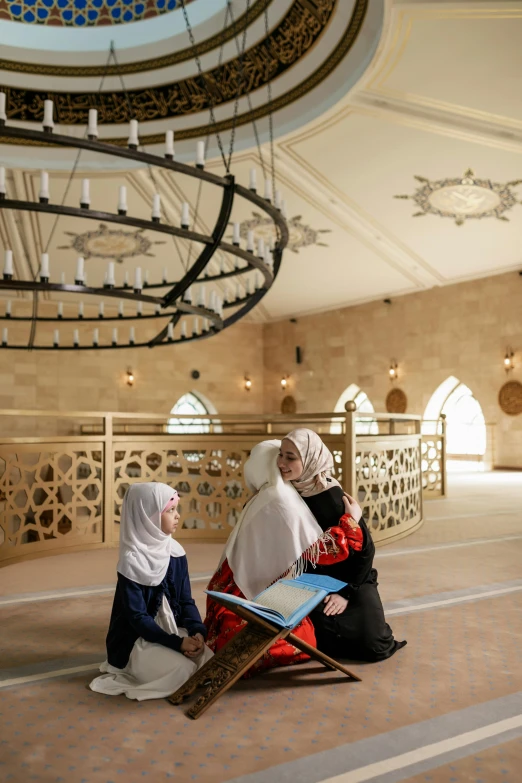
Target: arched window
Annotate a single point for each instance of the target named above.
(364, 426)
(190, 403)
(465, 425)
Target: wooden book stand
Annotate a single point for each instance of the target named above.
(238, 655)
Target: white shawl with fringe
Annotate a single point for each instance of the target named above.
(276, 533)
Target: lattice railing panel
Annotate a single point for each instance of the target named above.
(432, 465)
(209, 481)
(50, 498)
(389, 486)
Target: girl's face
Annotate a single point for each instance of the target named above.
(289, 461)
(170, 520)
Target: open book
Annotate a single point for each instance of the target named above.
(288, 601)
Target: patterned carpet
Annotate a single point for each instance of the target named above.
(446, 709)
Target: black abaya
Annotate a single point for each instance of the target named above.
(361, 631)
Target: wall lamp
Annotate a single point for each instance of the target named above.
(248, 383)
(394, 370)
(509, 363)
(284, 383)
(130, 377)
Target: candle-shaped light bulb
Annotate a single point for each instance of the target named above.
(60, 309)
(249, 287)
(101, 310)
(110, 280)
(164, 277)
(202, 297)
(250, 241)
(196, 326)
(227, 294)
(132, 335)
(170, 332)
(258, 281)
(126, 280)
(3, 115)
(187, 296)
(56, 338)
(156, 207)
(92, 127)
(133, 135)
(236, 239)
(3, 189)
(253, 180)
(43, 194)
(200, 154)
(137, 280)
(157, 309)
(48, 122)
(5, 336)
(139, 309)
(120, 309)
(122, 200)
(85, 198)
(184, 330)
(8, 309)
(261, 247)
(62, 278)
(44, 268)
(8, 265)
(169, 144)
(80, 271)
(278, 199)
(268, 190)
(115, 336)
(95, 337)
(76, 338)
(212, 302)
(185, 215)
(238, 291)
(80, 310)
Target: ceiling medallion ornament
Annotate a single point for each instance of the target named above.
(108, 243)
(510, 398)
(396, 401)
(464, 198)
(300, 234)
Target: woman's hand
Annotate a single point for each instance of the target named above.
(351, 507)
(191, 647)
(335, 604)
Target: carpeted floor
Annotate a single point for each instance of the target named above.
(446, 709)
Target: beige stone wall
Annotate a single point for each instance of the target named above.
(459, 330)
(95, 380)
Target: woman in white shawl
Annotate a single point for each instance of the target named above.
(275, 536)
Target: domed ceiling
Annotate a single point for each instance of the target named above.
(84, 13)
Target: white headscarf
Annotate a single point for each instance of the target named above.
(318, 463)
(275, 528)
(145, 550)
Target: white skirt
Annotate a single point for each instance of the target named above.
(153, 671)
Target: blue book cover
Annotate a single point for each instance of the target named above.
(287, 601)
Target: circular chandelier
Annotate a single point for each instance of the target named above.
(181, 307)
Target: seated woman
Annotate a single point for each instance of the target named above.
(352, 623)
(275, 536)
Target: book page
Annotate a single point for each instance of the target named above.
(285, 598)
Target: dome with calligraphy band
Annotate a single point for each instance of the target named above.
(84, 13)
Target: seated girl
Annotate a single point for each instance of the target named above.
(275, 536)
(156, 639)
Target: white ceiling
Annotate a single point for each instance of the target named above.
(442, 94)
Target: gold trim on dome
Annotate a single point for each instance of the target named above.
(154, 63)
(325, 69)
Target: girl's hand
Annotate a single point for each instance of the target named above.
(200, 638)
(190, 647)
(335, 604)
(351, 507)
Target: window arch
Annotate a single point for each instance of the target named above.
(466, 433)
(190, 403)
(364, 426)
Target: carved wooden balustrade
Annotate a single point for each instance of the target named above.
(63, 475)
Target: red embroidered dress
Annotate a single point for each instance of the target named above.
(222, 624)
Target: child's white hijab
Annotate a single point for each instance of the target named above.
(275, 528)
(145, 550)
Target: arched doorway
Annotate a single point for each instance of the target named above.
(466, 434)
(190, 403)
(364, 426)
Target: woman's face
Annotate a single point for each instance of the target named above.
(289, 461)
(169, 520)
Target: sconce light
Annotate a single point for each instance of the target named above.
(394, 370)
(248, 383)
(284, 382)
(509, 363)
(129, 376)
